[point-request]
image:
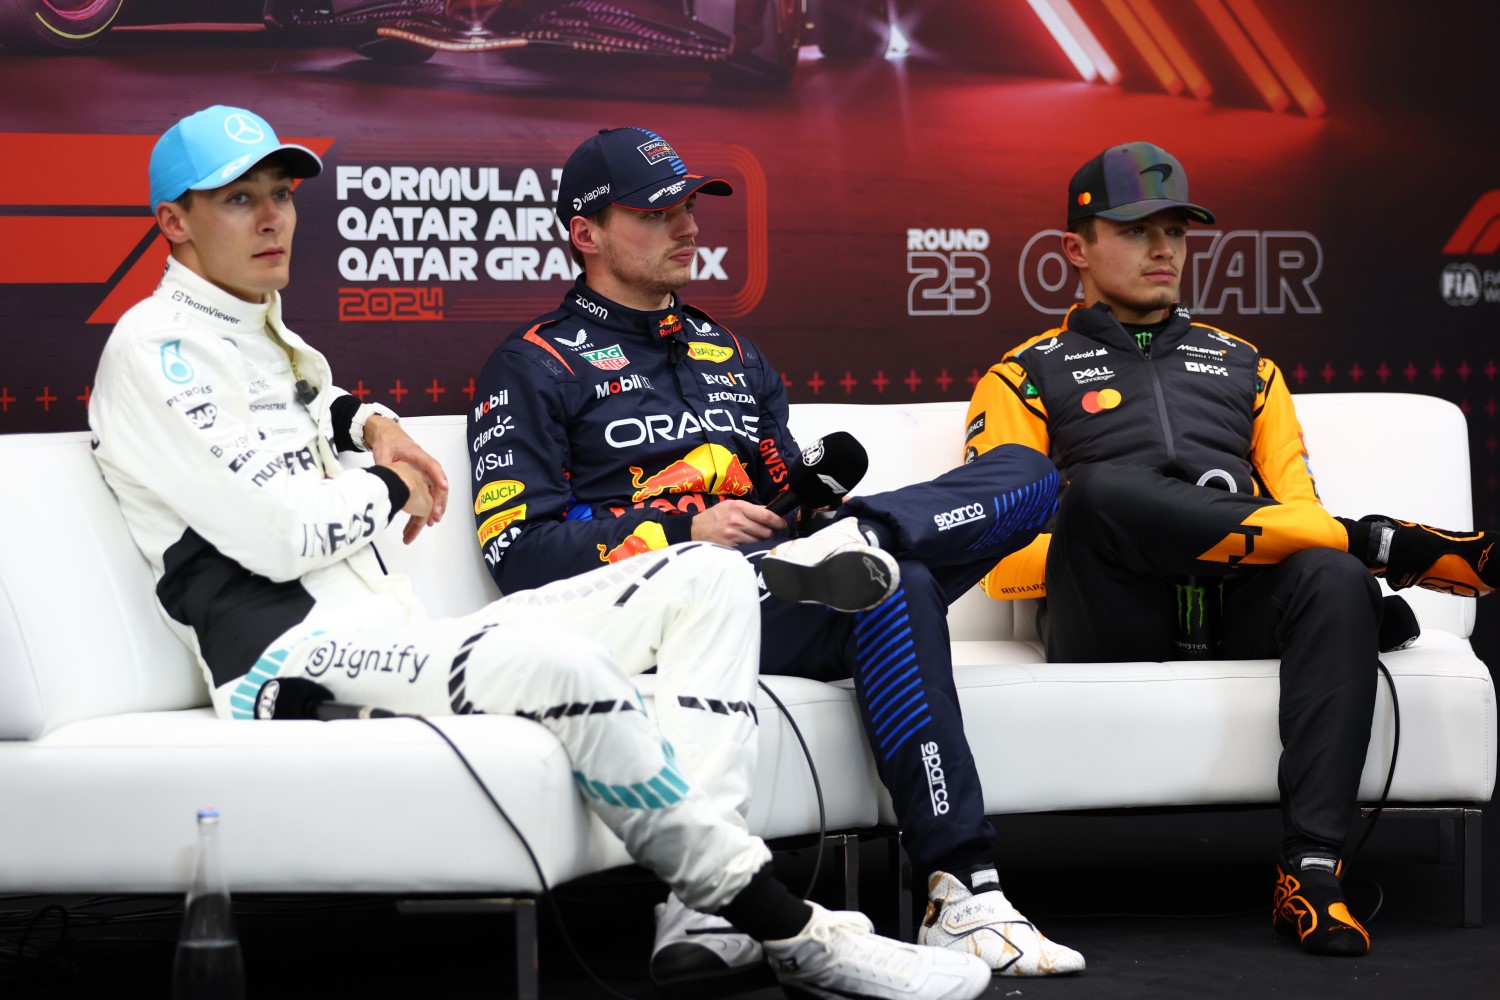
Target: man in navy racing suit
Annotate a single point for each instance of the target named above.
(626, 420)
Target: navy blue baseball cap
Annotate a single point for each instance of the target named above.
(212, 147)
(1129, 182)
(632, 168)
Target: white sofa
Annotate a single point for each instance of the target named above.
(107, 747)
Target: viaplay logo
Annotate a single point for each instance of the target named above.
(81, 227)
(1465, 283)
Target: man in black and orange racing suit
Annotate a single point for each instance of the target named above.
(1190, 525)
(624, 421)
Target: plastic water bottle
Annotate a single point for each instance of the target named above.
(208, 965)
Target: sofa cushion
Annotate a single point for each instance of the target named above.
(80, 632)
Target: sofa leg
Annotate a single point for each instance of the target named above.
(846, 853)
(523, 908)
(901, 865)
(1470, 835)
(1460, 842)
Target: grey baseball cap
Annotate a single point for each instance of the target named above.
(1130, 182)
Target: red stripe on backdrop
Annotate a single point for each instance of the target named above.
(66, 249)
(38, 168)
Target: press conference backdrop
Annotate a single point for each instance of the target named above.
(898, 199)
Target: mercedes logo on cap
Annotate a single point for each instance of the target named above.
(242, 128)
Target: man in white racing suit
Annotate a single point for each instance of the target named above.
(218, 429)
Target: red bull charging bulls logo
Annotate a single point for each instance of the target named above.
(708, 468)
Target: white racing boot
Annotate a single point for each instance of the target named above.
(838, 955)
(837, 566)
(985, 924)
(698, 954)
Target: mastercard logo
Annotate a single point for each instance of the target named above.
(1085, 198)
(1103, 399)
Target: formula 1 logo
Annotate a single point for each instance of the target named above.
(102, 235)
(1466, 284)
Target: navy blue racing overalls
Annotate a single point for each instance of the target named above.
(598, 431)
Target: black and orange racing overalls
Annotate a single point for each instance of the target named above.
(1189, 499)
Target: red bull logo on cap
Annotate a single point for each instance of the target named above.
(708, 468)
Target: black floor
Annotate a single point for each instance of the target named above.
(1162, 906)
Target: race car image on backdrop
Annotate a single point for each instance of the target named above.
(740, 42)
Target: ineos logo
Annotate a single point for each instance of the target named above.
(242, 128)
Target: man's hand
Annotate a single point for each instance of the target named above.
(420, 504)
(735, 522)
(390, 444)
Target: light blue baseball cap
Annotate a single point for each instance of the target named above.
(212, 147)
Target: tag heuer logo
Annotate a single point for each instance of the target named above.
(609, 358)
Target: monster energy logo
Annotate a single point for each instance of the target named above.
(1192, 603)
(1143, 340)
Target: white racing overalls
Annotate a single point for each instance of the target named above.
(260, 544)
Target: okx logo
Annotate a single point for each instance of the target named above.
(1478, 235)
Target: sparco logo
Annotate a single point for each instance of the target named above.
(958, 516)
(593, 307)
(937, 782)
(1206, 369)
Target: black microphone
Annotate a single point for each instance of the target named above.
(300, 698)
(827, 469)
(1398, 624)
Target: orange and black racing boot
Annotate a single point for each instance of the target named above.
(1408, 554)
(1309, 905)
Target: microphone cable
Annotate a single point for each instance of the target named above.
(817, 789)
(546, 888)
(536, 865)
(1390, 776)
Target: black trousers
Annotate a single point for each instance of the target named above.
(1123, 531)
